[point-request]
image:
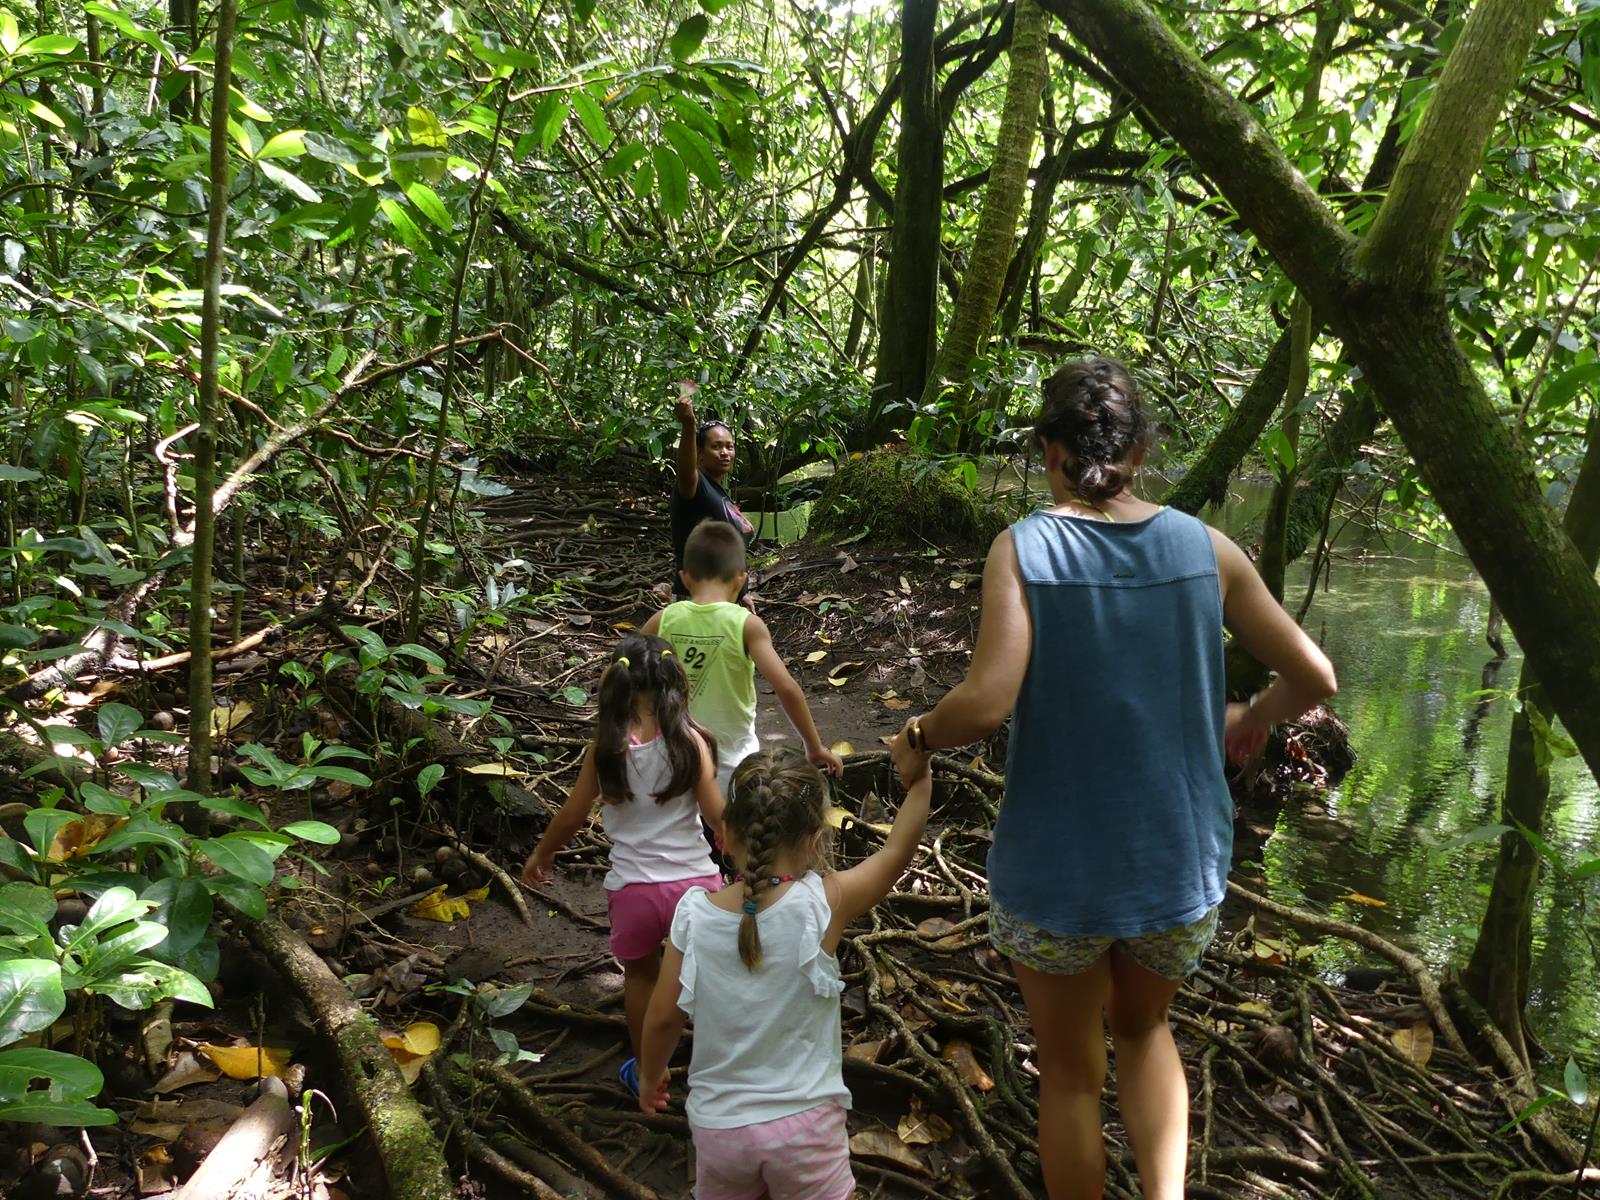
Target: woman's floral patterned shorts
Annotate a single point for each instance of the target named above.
(1171, 953)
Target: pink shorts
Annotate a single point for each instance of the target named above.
(803, 1157)
(641, 914)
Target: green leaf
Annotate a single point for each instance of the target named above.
(31, 997)
(101, 800)
(47, 43)
(424, 128)
(548, 118)
(403, 224)
(246, 897)
(714, 6)
(151, 779)
(672, 181)
(10, 474)
(243, 859)
(290, 182)
(420, 653)
(624, 160)
(10, 33)
(184, 909)
(70, 1077)
(27, 908)
(145, 829)
(117, 723)
(574, 695)
(1527, 1112)
(428, 778)
(15, 637)
(341, 775)
(688, 36)
(67, 1113)
(289, 144)
(593, 118)
(697, 153)
(1566, 385)
(428, 202)
(313, 831)
(502, 1001)
(1577, 1086)
(235, 807)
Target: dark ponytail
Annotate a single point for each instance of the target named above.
(646, 665)
(1092, 410)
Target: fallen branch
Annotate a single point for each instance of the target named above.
(249, 1143)
(409, 1154)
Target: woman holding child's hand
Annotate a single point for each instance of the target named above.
(1102, 638)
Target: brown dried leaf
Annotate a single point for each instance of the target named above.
(886, 1147)
(964, 1059)
(921, 1128)
(189, 1069)
(1415, 1042)
(866, 1051)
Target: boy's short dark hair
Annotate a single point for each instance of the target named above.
(715, 550)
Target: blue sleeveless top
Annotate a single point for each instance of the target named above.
(1117, 820)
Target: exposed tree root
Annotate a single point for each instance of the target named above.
(407, 1150)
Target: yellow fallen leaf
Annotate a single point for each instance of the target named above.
(478, 895)
(904, 586)
(844, 669)
(248, 1062)
(838, 816)
(499, 770)
(842, 748)
(963, 1058)
(816, 656)
(1257, 1007)
(225, 720)
(420, 1037)
(1415, 1042)
(81, 835)
(436, 906)
(623, 626)
(1358, 898)
(838, 680)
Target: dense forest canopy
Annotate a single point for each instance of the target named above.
(295, 279)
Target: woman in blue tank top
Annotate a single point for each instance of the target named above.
(1102, 637)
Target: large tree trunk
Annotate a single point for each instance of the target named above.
(1389, 306)
(1325, 468)
(1498, 973)
(911, 295)
(996, 234)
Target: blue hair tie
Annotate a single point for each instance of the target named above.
(749, 906)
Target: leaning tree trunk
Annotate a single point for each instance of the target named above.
(993, 241)
(1384, 296)
(205, 438)
(1326, 466)
(1498, 973)
(911, 293)
(1274, 557)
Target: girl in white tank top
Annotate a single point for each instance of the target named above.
(655, 772)
(754, 965)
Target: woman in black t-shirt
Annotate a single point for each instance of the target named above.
(705, 456)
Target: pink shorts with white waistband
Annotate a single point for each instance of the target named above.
(803, 1157)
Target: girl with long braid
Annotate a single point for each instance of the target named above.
(655, 773)
(754, 965)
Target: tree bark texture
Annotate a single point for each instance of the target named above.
(1398, 333)
(1497, 976)
(911, 295)
(996, 234)
(1326, 466)
(1274, 533)
(205, 438)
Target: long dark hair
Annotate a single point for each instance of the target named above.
(1091, 408)
(645, 665)
(777, 801)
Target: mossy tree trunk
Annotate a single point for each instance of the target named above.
(995, 237)
(1498, 973)
(1274, 557)
(911, 293)
(1384, 297)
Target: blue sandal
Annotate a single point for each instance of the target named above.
(628, 1073)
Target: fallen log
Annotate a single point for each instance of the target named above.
(408, 1152)
(248, 1144)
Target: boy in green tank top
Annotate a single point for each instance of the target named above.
(722, 645)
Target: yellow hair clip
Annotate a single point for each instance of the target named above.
(668, 654)
(621, 658)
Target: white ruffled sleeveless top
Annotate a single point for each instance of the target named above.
(768, 1043)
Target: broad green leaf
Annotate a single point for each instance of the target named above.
(243, 859)
(697, 153)
(427, 200)
(687, 37)
(1577, 1086)
(145, 829)
(593, 118)
(420, 653)
(97, 799)
(1567, 384)
(117, 723)
(404, 226)
(31, 997)
(26, 908)
(548, 117)
(71, 1077)
(672, 181)
(424, 128)
(289, 144)
(235, 807)
(65, 1113)
(624, 160)
(151, 779)
(47, 43)
(312, 831)
(246, 897)
(10, 34)
(428, 778)
(184, 909)
(290, 182)
(10, 474)
(341, 775)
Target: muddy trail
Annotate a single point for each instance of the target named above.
(502, 1005)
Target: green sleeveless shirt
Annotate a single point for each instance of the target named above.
(709, 639)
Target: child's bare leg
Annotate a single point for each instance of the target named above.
(1152, 1091)
(1066, 1015)
(638, 981)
